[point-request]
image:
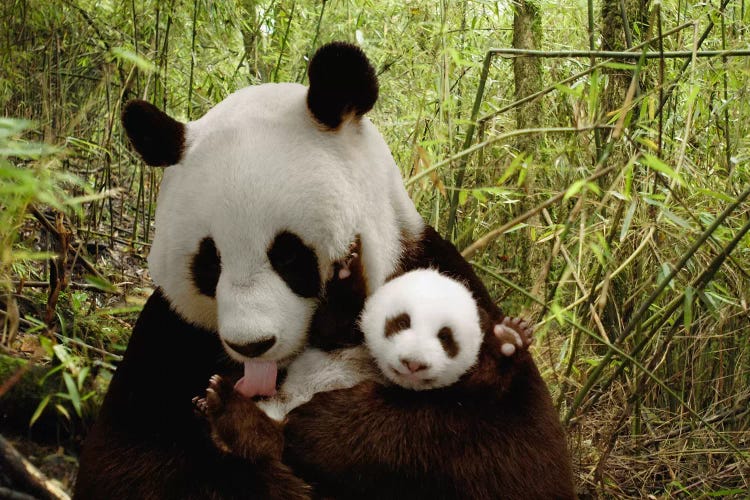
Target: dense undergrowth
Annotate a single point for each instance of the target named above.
(636, 273)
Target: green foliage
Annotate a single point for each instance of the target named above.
(20, 186)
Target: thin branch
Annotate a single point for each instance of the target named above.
(574, 77)
(497, 138)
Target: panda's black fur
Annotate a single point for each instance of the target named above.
(149, 443)
(492, 434)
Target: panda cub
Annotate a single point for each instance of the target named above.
(424, 330)
(421, 331)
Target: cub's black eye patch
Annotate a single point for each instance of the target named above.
(448, 341)
(296, 263)
(397, 324)
(206, 267)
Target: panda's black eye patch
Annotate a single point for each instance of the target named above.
(397, 324)
(448, 341)
(206, 267)
(296, 263)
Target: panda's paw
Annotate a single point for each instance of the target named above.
(238, 426)
(217, 392)
(200, 406)
(514, 334)
(343, 269)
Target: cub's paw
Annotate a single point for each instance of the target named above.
(343, 269)
(514, 334)
(217, 393)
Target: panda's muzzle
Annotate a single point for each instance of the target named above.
(252, 349)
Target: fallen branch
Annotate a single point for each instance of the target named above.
(26, 475)
(9, 494)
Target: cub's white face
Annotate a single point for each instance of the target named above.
(267, 191)
(423, 329)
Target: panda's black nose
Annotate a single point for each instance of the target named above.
(253, 349)
(414, 366)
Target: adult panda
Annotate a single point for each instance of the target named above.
(263, 196)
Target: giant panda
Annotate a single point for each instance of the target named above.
(454, 439)
(261, 198)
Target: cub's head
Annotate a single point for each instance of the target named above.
(423, 329)
(263, 194)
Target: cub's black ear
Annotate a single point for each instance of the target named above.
(158, 138)
(342, 84)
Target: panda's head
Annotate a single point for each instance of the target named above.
(423, 329)
(263, 194)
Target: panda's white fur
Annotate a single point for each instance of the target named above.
(316, 371)
(257, 164)
(433, 301)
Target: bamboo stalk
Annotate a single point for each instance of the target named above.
(192, 59)
(574, 77)
(646, 304)
(480, 93)
(495, 233)
(666, 95)
(467, 142)
(624, 355)
(699, 283)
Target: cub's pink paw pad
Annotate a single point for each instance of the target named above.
(514, 333)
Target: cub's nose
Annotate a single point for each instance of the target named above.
(253, 349)
(414, 366)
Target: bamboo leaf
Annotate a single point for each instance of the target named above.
(129, 56)
(75, 396)
(63, 411)
(574, 189)
(655, 163)
(39, 409)
(627, 220)
(688, 308)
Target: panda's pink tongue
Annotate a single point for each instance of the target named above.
(259, 379)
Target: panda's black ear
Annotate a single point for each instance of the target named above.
(158, 138)
(342, 84)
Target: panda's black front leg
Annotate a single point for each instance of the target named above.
(238, 426)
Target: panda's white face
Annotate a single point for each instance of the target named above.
(261, 204)
(423, 329)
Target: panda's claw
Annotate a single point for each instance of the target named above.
(342, 269)
(214, 402)
(199, 404)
